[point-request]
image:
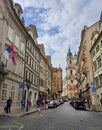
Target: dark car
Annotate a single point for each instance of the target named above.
(52, 104)
(72, 102)
(79, 104)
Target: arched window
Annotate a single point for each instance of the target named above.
(71, 72)
(70, 62)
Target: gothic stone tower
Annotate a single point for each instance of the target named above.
(70, 80)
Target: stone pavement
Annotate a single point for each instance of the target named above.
(19, 112)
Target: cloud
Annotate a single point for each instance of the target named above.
(59, 24)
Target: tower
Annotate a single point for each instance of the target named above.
(70, 78)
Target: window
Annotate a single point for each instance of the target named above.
(17, 41)
(97, 48)
(95, 66)
(97, 82)
(26, 74)
(12, 92)
(71, 72)
(22, 47)
(93, 54)
(10, 33)
(100, 78)
(38, 81)
(29, 76)
(99, 62)
(71, 81)
(27, 59)
(54, 79)
(101, 43)
(70, 62)
(32, 78)
(4, 91)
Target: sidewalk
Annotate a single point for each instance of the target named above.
(95, 108)
(20, 112)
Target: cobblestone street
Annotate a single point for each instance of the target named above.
(63, 117)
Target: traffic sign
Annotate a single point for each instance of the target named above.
(93, 88)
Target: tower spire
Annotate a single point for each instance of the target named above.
(69, 52)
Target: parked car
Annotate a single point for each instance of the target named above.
(72, 102)
(57, 102)
(79, 104)
(61, 101)
(52, 104)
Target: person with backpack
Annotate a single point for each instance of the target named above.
(8, 103)
(22, 104)
(28, 104)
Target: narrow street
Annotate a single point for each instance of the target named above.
(64, 117)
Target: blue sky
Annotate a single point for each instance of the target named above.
(59, 24)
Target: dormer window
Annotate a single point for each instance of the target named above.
(18, 9)
(18, 12)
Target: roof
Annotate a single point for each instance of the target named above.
(69, 52)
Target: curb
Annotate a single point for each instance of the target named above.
(93, 110)
(27, 113)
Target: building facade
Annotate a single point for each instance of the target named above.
(96, 57)
(70, 81)
(12, 31)
(85, 73)
(57, 83)
(45, 74)
(32, 66)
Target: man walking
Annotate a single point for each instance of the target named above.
(101, 101)
(9, 101)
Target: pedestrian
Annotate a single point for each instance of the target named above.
(28, 104)
(22, 104)
(9, 102)
(101, 101)
(38, 103)
(89, 102)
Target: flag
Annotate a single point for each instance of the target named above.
(9, 54)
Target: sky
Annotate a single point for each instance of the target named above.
(59, 24)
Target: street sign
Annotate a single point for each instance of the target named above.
(21, 85)
(93, 88)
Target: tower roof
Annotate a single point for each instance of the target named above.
(69, 52)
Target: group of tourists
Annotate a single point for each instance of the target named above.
(27, 106)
